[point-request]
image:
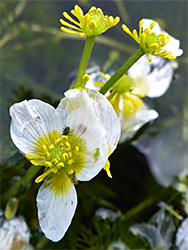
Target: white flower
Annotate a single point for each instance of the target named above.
(142, 79)
(173, 45)
(14, 233)
(72, 141)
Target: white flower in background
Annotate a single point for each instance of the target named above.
(142, 79)
(155, 41)
(73, 142)
(14, 234)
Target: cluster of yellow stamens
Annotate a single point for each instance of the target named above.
(56, 152)
(150, 42)
(91, 24)
(122, 96)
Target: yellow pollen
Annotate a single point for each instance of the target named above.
(65, 156)
(67, 144)
(60, 165)
(48, 164)
(51, 146)
(70, 162)
(77, 148)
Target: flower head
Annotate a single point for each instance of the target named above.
(72, 142)
(91, 24)
(153, 40)
(126, 95)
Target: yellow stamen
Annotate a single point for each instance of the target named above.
(77, 148)
(33, 156)
(70, 171)
(55, 161)
(65, 156)
(48, 164)
(67, 144)
(92, 24)
(44, 148)
(85, 78)
(70, 31)
(60, 165)
(152, 25)
(66, 15)
(154, 46)
(69, 25)
(70, 162)
(51, 146)
(36, 163)
(107, 169)
(41, 177)
(48, 155)
(57, 141)
(70, 154)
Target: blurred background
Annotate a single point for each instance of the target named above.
(40, 61)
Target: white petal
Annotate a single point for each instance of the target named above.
(129, 126)
(157, 74)
(14, 232)
(55, 211)
(173, 44)
(31, 119)
(90, 116)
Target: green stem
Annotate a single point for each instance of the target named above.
(84, 60)
(22, 182)
(122, 70)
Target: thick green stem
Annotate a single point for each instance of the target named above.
(121, 71)
(84, 60)
(22, 182)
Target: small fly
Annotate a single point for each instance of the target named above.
(66, 131)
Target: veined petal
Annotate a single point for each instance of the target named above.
(83, 121)
(157, 74)
(56, 203)
(107, 117)
(131, 125)
(32, 119)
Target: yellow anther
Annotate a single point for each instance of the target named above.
(42, 140)
(152, 25)
(51, 146)
(65, 156)
(70, 154)
(116, 21)
(107, 169)
(135, 34)
(41, 177)
(85, 78)
(87, 18)
(110, 21)
(44, 148)
(36, 163)
(70, 171)
(55, 161)
(48, 155)
(143, 36)
(147, 31)
(54, 135)
(48, 164)
(64, 137)
(33, 156)
(77, 148)
(67, 144)
(57, 141)
(70, 162)
(92, 24)
(154, 46)
(60, 165)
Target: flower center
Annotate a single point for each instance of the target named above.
(56, 152)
